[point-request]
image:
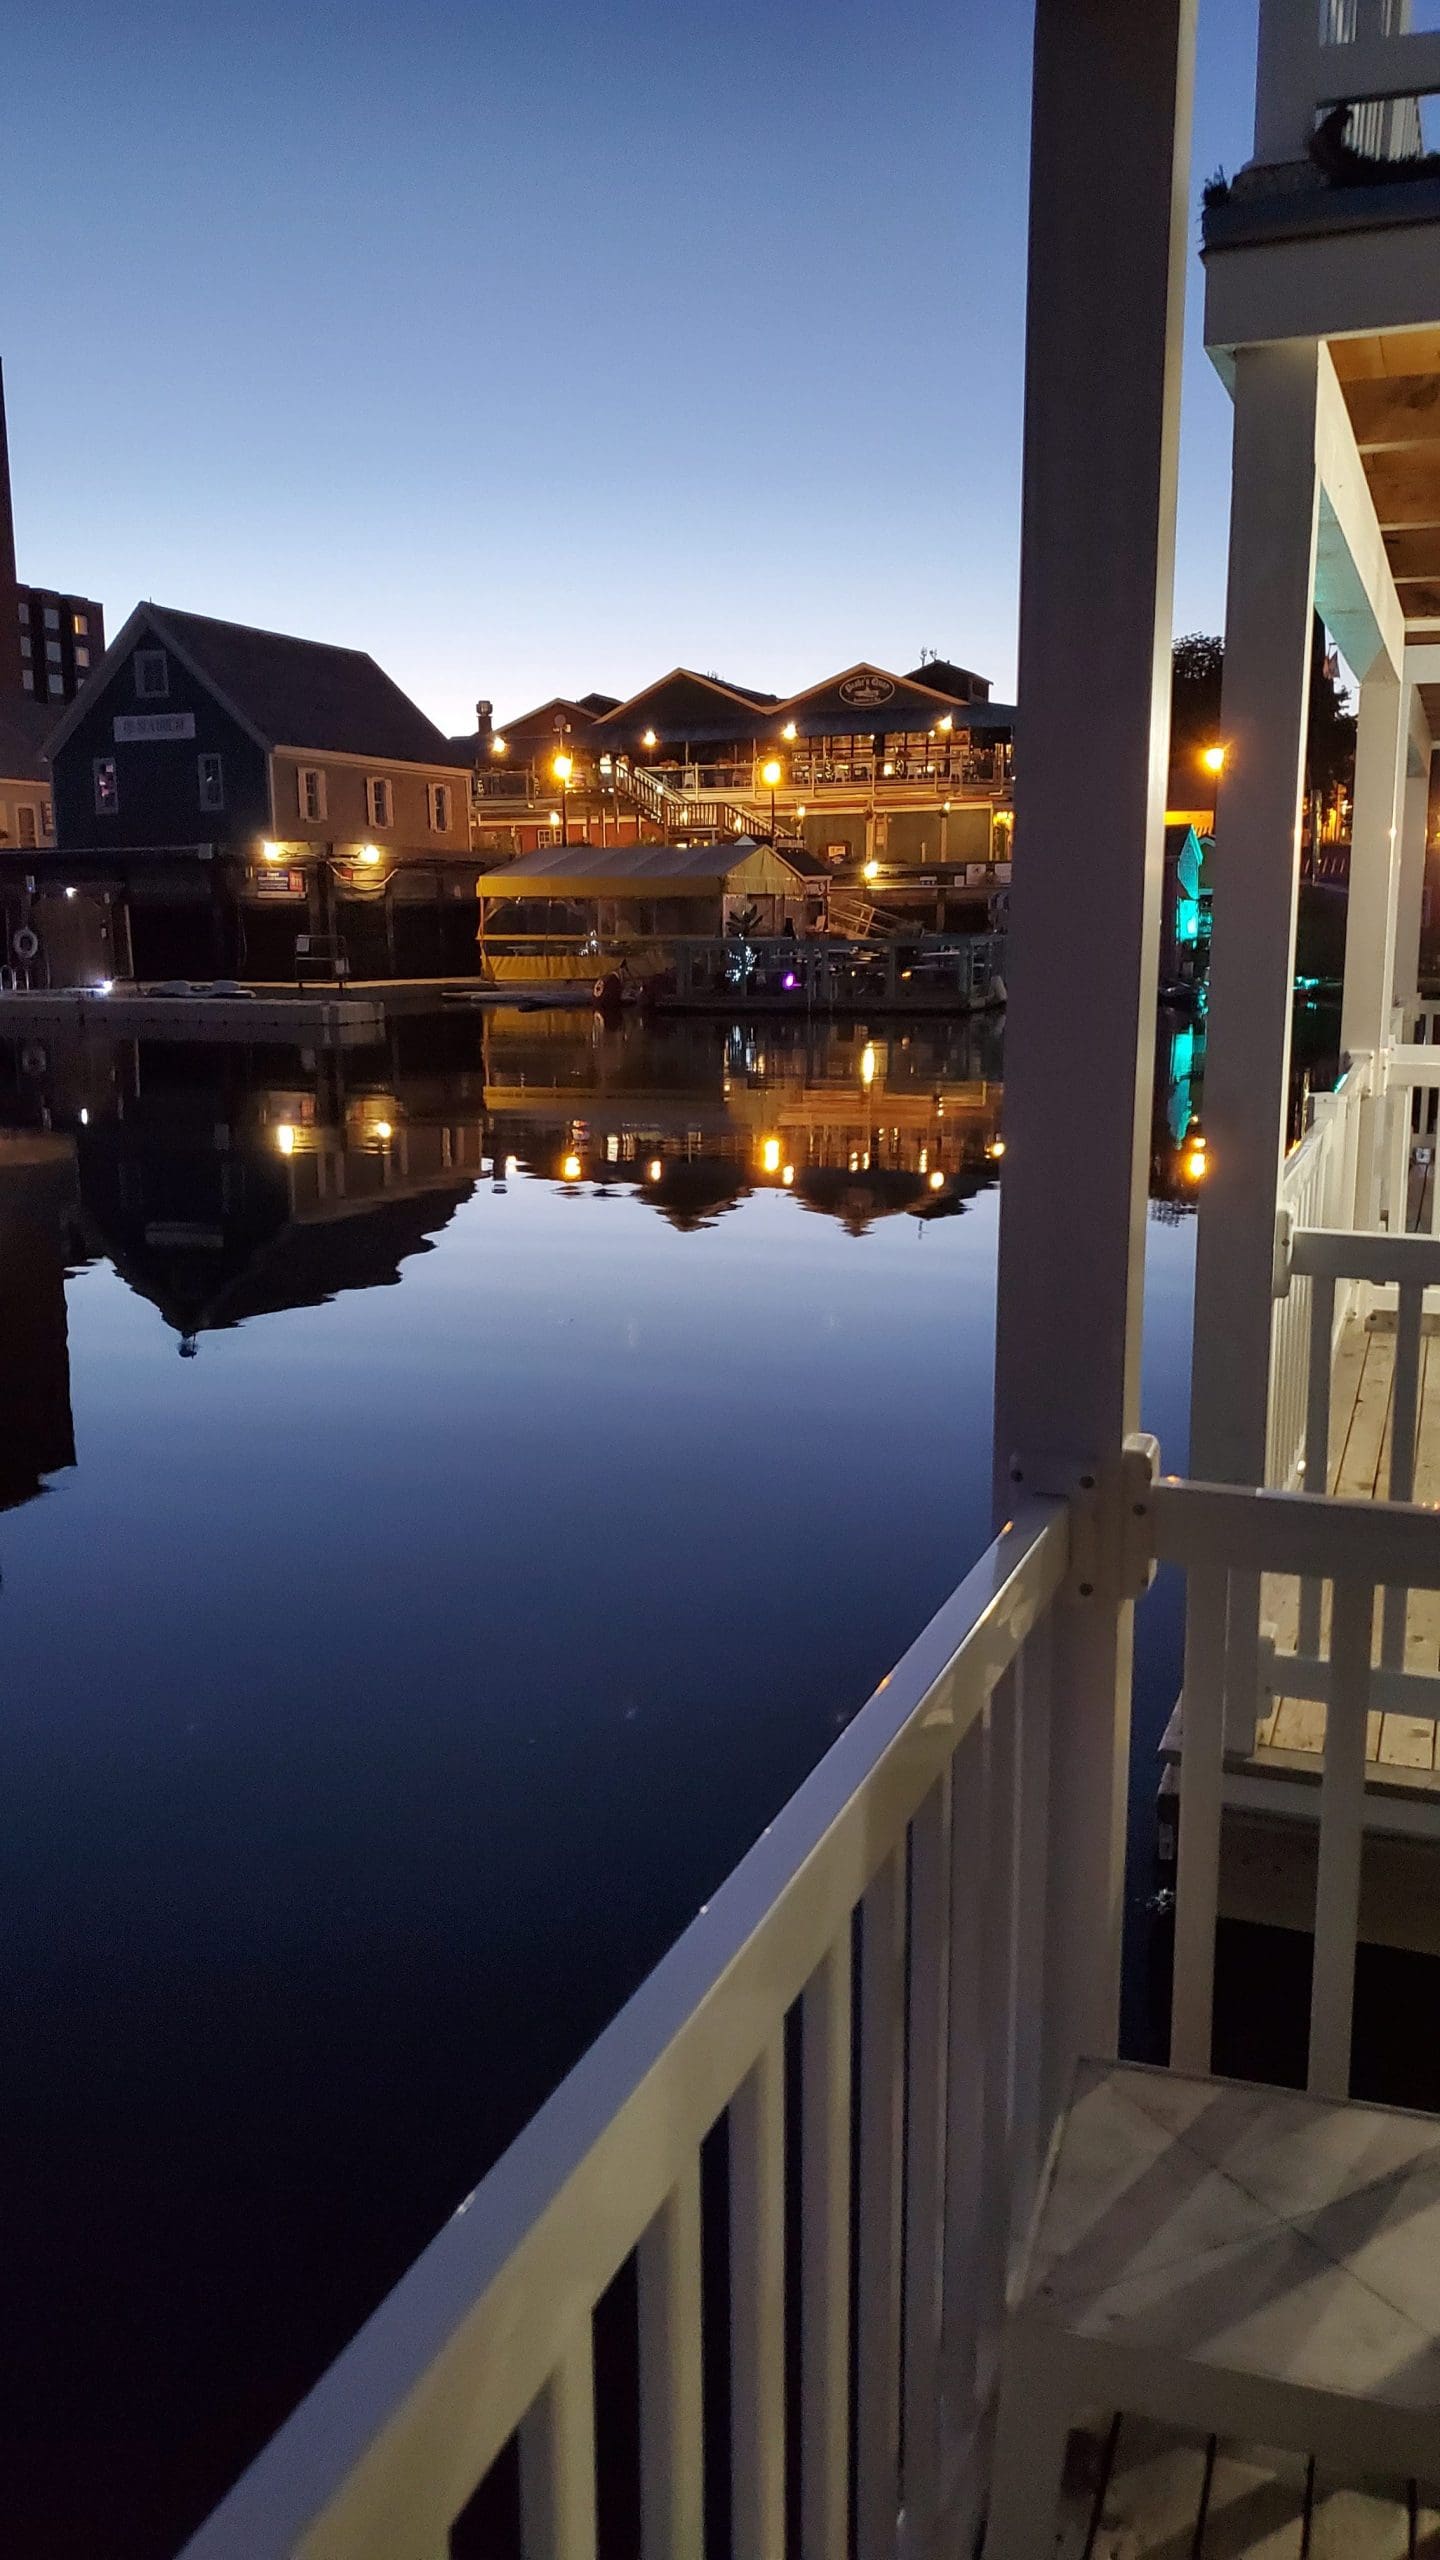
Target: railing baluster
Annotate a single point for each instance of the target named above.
(825, 2030)
(1404, 1429)
(925, 2160)
(672, 2486)
(1342, 1826)
(1197, 1887)
(965, 2101)
(757, 2308)
(1032, 2095)
(882, 2033)
(557, 2460)
(1317, 1435)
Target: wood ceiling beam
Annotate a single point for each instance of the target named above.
(1394, 413)
(1406, 489)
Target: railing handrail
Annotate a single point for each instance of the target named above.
(1367, 55)
(390, 2443)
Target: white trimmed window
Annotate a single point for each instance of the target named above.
(379, 800)
(152, 675)
(311, 787)
(107, 786)
(212, 782)
(438, 796)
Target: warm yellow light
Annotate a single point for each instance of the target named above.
(996, 1147)
(499, 747)
(946, 725)
(800, 812)
(562, 766)
(554, 817)
(771, 772)
(370, 855)
(649, 739)
(789, 730)
(654, 1168)
(570, 1169)
(1213, 759)
(273, 852)
(382, 1129)
(787, 1175)
(770, 1155)
(285, 1138)
(1196, 1163)
(867, 1063)
(871, 871)
(937, 1180)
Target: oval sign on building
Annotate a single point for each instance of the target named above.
(865, 692)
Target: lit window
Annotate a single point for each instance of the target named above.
(311, 787)
(212, 782)
(439, 794)
(52, 618)
(152, 675)
(82, 655)
(52, 652)
(107, 786)
(25, 823)
(379, 800)
(81, 626)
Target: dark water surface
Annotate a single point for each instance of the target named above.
(549, 1476)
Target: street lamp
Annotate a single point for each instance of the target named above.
(771, 773)
(562, 766)
(1213, 759)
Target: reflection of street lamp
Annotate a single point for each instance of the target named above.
(562, 766)
(772, 772)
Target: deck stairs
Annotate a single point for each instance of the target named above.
(677, 812)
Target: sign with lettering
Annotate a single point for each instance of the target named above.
(864, 692)
(133, 728)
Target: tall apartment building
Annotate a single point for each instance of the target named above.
(48, 641)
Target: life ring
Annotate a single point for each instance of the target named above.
(34, 1058)
(25, 943)
(598, 990)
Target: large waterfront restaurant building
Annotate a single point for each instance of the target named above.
(911, 772)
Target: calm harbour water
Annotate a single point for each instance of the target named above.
(573, 1426)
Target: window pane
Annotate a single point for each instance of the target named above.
(82, 626)
(26, 817)
(82, 657)
(52, 618)
(52, 652)
(152, 674)
(107, 786)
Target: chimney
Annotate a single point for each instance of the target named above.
(10, 679)
(484, 718)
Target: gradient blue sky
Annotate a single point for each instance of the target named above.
(539, 349)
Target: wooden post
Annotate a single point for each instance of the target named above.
(1273, 530)
(1415, 808)
(1374, 865)
(1109, 165)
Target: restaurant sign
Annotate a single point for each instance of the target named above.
(865, 692)
(132, 728)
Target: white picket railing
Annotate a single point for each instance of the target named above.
(1314, 54)
(1221, 1534)
(918, 1844)
(1319, 1185)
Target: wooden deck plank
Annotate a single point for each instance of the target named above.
(1359, 1469)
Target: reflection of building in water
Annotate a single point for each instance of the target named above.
(38, 1208)
(697, 1117)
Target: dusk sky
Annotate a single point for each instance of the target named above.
(540, 349)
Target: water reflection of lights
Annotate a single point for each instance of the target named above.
(787, 1175)
(285, 1137)
(770, 1155)
(995, 1150)
(867, 1063)
(570, 1169)
(654, 1169)
(937, 1180)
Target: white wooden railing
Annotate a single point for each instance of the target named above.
(899, 1899)
(1225, 1536)
(1320, 1184)
(1316, 53)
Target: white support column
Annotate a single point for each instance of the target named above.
(1109, 165)
(1273, 519)
(1410, 893)
(1374, 828)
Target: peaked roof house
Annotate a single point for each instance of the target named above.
(270, 780)
(26, 815)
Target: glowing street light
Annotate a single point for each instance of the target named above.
(499, 746)
(870, 870)
(789, 731)
(1213, 759)
(562, 765)
(772, 772)
(649, 739)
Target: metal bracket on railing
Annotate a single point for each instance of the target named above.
(1280, 1268)
(1110, 1539)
